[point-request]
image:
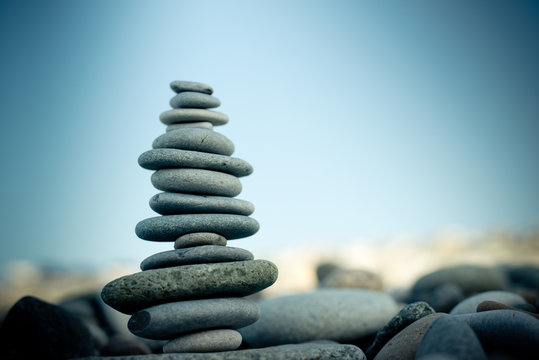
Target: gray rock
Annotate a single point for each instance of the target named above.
(170, 320)
(445, 297)
(324, 269)
(195, 255)
(205, 341)
(197, 181)
(166, 158)
(469, 305)
(310, 351)
(199, 239)
(334, 314)
(198, 124)
(409, 314)
(180, 86)
(171, 227)
(352, 278)
(403, 346)
(195, 139)
(141, 290)
(452, 336)
(177, 116)
(176, 203)
(190, 99)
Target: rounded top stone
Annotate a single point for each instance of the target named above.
(180, 86)
(190, 99)
(195, 139)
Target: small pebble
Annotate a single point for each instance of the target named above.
(198, 124)
(181, 86)
(168, 203)
(196, 181)
(195, 139)
(494, 305)
(177, 116)
(199, 239)
(189, 99)
(205, 341)
(469, 305)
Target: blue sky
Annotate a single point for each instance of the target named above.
(362, 119)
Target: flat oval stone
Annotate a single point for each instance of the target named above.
(171, 227)
(190, 99)
(198, 124)
(195, 255)
(180, 86)
(205, 341)
(168, 203)
(167, 321)
(195, 139)
(177, 116)
(131, 293)
(199, 239)
(469, 305)
(196, 181)
(167, 158)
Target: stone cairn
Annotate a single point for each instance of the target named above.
(193, 295)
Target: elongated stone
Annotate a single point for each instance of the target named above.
(191, 99)
(171, 227)
(168, 321)
(195, 255)
(195, 139)
(176, 116)
(181, 86)
(205, 341)
(131, 293)
(196, 181)
(197, 124)
(199, 239)
(168, 203)
(172, 158)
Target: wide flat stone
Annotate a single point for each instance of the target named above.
(179, 86)
(191, 99)
(196, 181)
(205, 341)
(195, 139)
(196, 124)
(199, 239)
(168, 203)
(309, 351)
(343, 315)
(170, 320)
(138, 291)
(195, 255)
(171, 227)
(172, 158)
(177, 116)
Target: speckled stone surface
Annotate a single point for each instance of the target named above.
(166, 158)
(195, 255)
(177, 116)
(205, 341)
(197, 124)
(168, 203)
(196, 181)
(191, 99)
(195, 139)
(168, 321)
(179, 86)
(171, 227)
(141, 290)
(199, 239)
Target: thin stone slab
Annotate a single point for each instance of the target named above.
(170, 320)
(180, 86)
(172, 158)
(199, 239)
(191, 99)
(176, 116)
(205, 341)
(195, 139)
(308, 351)
(197, 124)
(196, 181)
(195, 255)
(131, 293)
(168, 203)
(171, 227)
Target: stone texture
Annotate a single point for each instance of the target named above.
(141, 290)
(195, 255)
(469, 305)
(403, 346)
(494, 305)
(195, 139)
(171, 227)
(170, 320)
(191, 99)
(180, 86)
(199, 239)
(196, 181)
(198, 124)
(342, 315)
(445, 297)
(310, 351)
(166, 158)
(353, 278)
(324, 269)
(176, 203)
(409, 314)
(205, 341)
(177, 116)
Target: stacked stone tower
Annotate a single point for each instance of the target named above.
(193, 295)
